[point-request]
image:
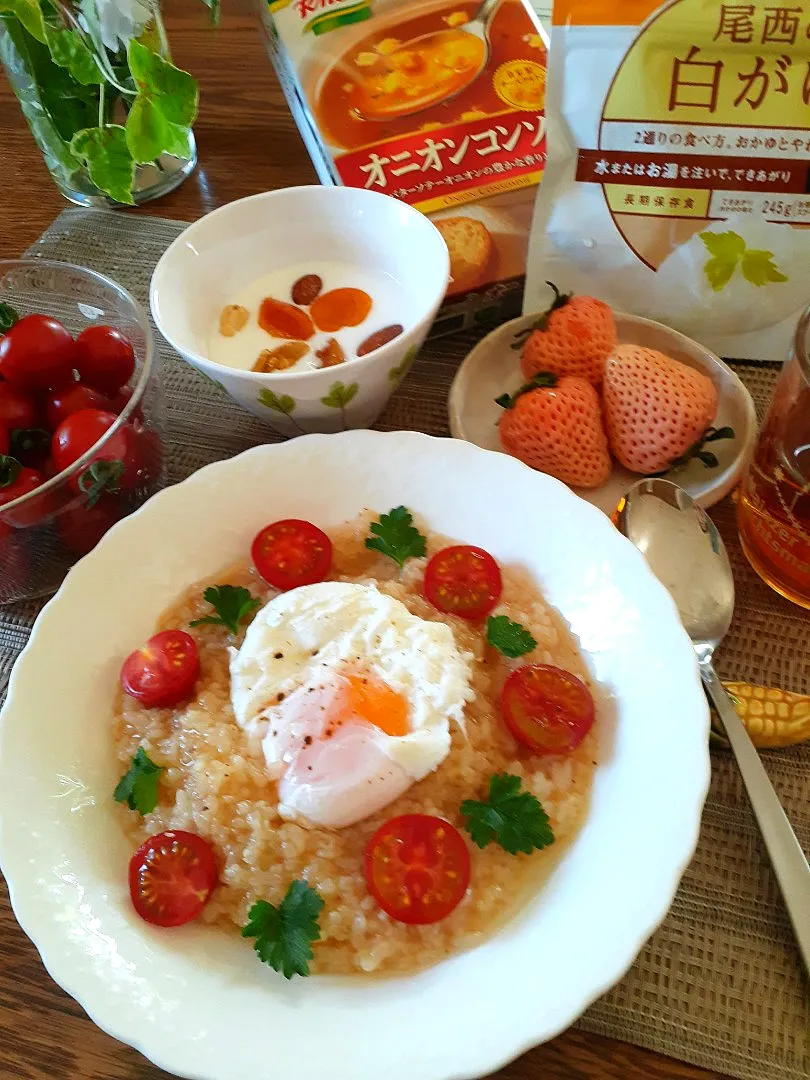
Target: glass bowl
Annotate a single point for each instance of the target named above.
(44, 532)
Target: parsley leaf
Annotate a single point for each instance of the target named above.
(759, 268)
(396, 536)
(509, 637)
(284, 934)
(232, 604)
(138, 787)
(511, 817)
(726, 250)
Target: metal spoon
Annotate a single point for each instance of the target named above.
(478, 26)
(686, 553)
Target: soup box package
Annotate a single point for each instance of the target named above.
(678, 176)
(438, 103)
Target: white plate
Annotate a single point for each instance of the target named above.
(196, 1000)
(493, 368)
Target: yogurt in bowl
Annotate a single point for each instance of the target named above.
(257, 249)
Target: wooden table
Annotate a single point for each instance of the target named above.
(247, 142)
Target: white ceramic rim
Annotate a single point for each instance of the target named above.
(504, 1045)
(279, 378)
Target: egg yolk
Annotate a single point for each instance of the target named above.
(377, 704)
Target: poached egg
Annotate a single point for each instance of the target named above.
(351, 697)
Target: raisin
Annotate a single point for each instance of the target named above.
(382, 337)
(306, 289)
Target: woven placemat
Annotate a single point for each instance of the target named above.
(720, 983)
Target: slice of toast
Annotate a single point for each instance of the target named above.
(470, 245)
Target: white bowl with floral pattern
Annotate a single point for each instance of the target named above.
(228, 249)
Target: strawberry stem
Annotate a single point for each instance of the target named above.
(541, 322)
(696, 450)
(542, 380)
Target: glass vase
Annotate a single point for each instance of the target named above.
(57, 102)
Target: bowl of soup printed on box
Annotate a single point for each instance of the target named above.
(307, 305)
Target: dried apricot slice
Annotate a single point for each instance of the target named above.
(284, 320)
(339, 308)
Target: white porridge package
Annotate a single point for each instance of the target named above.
(678, 173)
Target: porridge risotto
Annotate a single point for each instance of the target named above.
(215, 780)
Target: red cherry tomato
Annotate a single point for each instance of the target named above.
(31, 446)
(292, 553)
(17, 410)
(162, 672)
(81, 527)
(417, 868)
(119, 402)
(113, 468)
(105, 358)
(5, 441)
(64, 403)
(15, 481)
(547, 709)
(37, 354)
(171, 877)
(463, 581)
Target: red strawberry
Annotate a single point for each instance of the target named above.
(574, 337)
(657, 410)
(555, 425)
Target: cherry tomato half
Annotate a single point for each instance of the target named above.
(547, 709)
(15, 481)
(105, 358)
(114, 468)
(417, 868)
(292, 553)
(171, 877)
(64, 403)
(37, 354)
(162, 672)
(463, 581)
(81, 527)
(17, 410)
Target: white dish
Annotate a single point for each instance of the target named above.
(493, 367)
(226, 251)
(196, 1000)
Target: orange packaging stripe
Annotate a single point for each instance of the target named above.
(603, 12)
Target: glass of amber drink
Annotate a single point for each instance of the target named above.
(773, 511)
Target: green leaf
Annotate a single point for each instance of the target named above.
(232, 604)
(29, 13)
(759, 268)
(10, 469)
(396, 536)
(138, 787)
(284, 934)
(726, 249)
(53, 104)
(109, 162)
(173, 91)
(69, 51)
(398, 372)
(8, 316)
(511, 817)
(340, 396)
(213, 5)
(100, 477)
(283, 404)
(509, 637)
(150, 134)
